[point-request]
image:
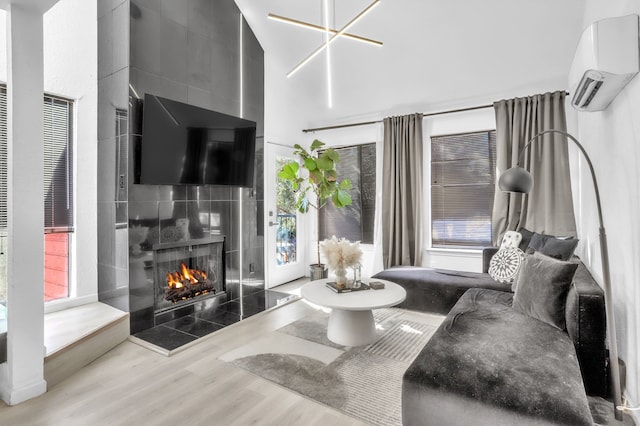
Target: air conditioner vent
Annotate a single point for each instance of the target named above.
(587, 89)
(606, 59)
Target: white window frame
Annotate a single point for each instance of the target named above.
(69, 301)
(463, 259)
(72, 299)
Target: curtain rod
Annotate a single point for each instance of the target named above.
(426, 114)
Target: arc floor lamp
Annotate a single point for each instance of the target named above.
(517, 179)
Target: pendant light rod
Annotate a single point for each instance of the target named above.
(322, 29)
(333, 38)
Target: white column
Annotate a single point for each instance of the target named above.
(23, 374)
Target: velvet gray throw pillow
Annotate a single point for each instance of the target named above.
(526, 238)
(552, 246)
(541, 288)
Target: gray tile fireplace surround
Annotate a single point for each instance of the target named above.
(194, 61)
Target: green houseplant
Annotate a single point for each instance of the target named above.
(314, 179)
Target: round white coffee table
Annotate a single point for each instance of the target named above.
(351, 320)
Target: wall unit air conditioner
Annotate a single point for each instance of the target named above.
(607, 58)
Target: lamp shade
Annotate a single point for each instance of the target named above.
(516, 179)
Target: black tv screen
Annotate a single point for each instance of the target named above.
(187, 145)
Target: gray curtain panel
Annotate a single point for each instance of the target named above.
(402, 202)
(549, 207)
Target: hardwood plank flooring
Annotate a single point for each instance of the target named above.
(131, 385)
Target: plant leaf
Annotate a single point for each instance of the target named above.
(345, 184)
(325, 163)
(341, 198)
(316, 145)
(310, 163)
(289, 171)
(332, 154)
(316, 177)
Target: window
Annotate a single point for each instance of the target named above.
(354, 222)
(462, 188)
(58, 192)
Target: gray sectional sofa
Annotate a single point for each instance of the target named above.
(490, 364)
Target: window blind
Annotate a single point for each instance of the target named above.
(58, 163)
(462, 189)
(356, 221)
(3, 160)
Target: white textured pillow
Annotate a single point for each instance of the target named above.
(505, 264)
(510, 239)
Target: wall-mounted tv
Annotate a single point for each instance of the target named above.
(186, 145)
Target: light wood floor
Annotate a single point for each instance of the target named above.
(131, 385)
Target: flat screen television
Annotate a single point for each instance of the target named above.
(186, 145)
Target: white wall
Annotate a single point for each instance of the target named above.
(287, 113)
(463, 260)
(70, 71)
(612, 140)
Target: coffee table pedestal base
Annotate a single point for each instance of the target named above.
(351, 328)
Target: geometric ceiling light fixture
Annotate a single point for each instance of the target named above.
(335, 34)
(319, 28)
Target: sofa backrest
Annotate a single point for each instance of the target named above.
(586, 325)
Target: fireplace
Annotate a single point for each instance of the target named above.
(186, 272)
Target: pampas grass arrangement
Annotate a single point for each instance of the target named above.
(341, 253)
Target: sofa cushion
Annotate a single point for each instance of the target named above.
(486, 352)
(549, 245)
(436, 290)
(541, 289)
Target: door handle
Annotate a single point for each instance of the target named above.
(272, 223)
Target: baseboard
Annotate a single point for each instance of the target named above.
(24, 393)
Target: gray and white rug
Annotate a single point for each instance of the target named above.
(365, 382)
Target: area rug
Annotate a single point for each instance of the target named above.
(364, 382)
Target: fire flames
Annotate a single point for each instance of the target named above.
(187, 283)
(177, 279)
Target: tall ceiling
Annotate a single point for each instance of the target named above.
(436, 53)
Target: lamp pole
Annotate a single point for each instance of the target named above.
(604, 253)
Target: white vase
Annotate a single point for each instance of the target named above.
(341, 276)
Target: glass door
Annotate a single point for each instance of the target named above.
(286, 235)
